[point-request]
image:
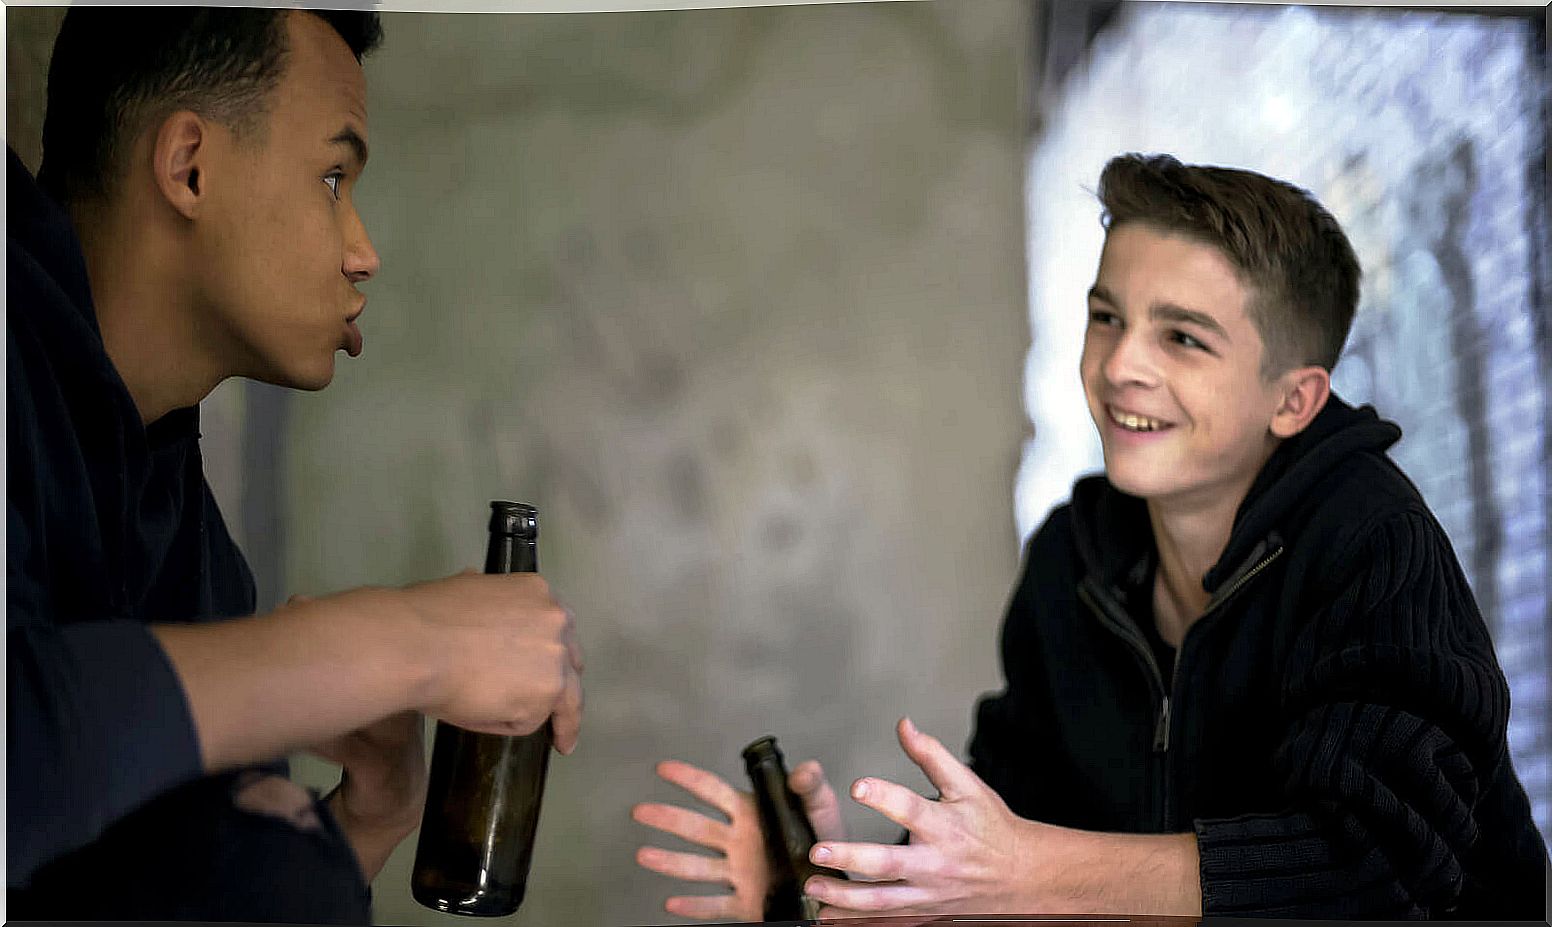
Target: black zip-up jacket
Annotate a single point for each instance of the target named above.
(111, 526)
(1333, 729)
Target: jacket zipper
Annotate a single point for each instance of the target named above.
(1106, 609)
(1111, 617)
(1219, 600)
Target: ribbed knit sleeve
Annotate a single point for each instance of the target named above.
(1394, 713)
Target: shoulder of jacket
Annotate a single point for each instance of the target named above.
(1367, 495)
(1055, 532)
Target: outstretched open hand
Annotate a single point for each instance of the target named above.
(739, 861)
(966, 853)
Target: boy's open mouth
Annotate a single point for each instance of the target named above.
(1133, 422)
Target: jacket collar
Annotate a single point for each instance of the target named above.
(1115, 539)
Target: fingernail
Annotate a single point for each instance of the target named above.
(821, 854)
(860, 790)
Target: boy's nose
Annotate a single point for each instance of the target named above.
(1130, 363)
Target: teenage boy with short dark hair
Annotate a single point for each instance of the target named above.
(194, 220)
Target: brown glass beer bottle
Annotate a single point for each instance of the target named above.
(482, 800)
(789, 835)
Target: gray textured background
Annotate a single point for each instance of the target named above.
(737, 298)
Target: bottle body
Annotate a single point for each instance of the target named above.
(482, 813)
(789, 835)
(485, 790)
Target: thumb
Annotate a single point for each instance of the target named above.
(820, 802)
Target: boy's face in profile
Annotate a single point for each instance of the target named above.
(1172, 370)
(286, 246)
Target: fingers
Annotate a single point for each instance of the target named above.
(952, 778)
(572, 700)
(691, 867)
(566, 717)
(507, 657)
(573, 645)
(707, 786)
(569, 634)
(897, 803)
(683, 823)
(500, 728)
(867, 897)
(872, 861)
(891, 918)
(566, 723)
(706, 908)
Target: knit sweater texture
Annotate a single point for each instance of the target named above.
(1333, 729)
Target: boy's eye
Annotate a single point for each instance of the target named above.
(1185, 340)
(1102, 317)
(333, 180)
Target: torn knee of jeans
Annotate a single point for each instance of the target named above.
(276, 797)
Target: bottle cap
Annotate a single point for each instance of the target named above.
(762, 749)
(515, 518)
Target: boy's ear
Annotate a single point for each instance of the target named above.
(1305, 391)
(179, 155)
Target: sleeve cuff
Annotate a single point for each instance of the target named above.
(132, 714)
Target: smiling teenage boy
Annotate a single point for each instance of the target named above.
(1245, 673)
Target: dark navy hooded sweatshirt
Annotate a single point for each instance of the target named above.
(111, 526)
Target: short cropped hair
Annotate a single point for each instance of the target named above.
(117, 71)
(1287, 248)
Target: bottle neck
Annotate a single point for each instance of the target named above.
(511, 554)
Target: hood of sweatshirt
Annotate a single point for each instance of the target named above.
(1113, 533)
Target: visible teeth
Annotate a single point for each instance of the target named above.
(1135, 422)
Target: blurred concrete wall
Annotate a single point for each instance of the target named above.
(736, 297)
(29, 37)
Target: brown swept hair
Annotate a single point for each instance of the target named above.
(1289, 251)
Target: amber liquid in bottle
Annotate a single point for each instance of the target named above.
(483, 797)
(789, 835)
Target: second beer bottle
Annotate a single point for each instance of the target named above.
(789, 835)
(483, 797)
